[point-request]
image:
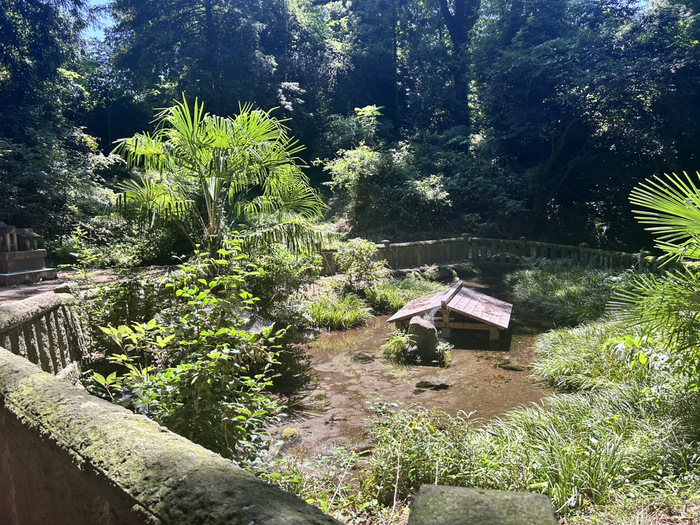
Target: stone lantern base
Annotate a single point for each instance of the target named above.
(24, 267)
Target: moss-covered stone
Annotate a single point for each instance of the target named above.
(171, 479)
(45, 329)
(438, 505)
(18, 312)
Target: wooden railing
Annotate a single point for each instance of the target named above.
(508, 252)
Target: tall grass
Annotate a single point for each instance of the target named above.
(564, 295)
(390, 295)
(337, 311)
(595, 356)
(577, 449)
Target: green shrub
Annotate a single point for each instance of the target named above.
(336, 311)
(193, 367)
(281, 281)
(579, 450)
(326, 481)
(382, 187)
(109, 241)
(390, 295)
(356, 260)
(561, 295)
(418, 446)
(399, 347)
(218, 398)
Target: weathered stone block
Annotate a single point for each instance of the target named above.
(440, 505)
(24, 267)
(68, 457)
(22, 261)
(425, 338)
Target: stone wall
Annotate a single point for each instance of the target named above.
(45, 330)
(67, 457)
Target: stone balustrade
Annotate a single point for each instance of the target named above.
(45, 330)
(495, 252)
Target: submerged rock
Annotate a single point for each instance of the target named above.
(513, 367)
(363, 357)
(432, 383)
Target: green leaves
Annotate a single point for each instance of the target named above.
(215, 161)
(670, 207)
(356, 260)
(193, 367)
(668, 305)
(109, 384)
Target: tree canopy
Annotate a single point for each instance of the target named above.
(504, 118)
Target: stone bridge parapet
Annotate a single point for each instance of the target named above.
(45, 329)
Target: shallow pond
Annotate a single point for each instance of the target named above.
(345, 380)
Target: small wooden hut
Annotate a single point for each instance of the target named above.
(458, 308)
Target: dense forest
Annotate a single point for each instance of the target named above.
(420, 118)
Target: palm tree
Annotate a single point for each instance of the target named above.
(669, 303)
(210, 175)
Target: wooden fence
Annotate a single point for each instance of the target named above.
(505, 252)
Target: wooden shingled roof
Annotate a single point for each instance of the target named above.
(461, 300)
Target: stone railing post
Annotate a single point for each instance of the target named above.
(644, 255)
(466, 251)
(583, 253)
(385, 253)
(522, 248)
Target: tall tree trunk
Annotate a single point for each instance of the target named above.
(546, 188)
(211, 69)
(395, 60)
(459, 20)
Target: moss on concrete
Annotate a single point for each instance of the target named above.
(18, 312)
(46, 329)
(171, 479)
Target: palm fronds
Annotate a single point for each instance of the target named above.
(671, 209)
(226, 159)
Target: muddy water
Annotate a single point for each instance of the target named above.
(334, 410)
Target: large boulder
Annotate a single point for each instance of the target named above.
(425, 339)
